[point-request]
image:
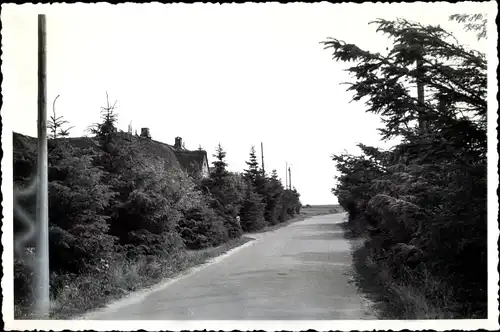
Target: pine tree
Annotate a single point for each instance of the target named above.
(217, 182)
(55, 124)
(274, 199)
(225, 198)
(109, 118)
(252, 211)
(253, 207)
(220, 172)
(472, 22)
(253, 172)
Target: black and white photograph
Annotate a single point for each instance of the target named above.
(250, 166)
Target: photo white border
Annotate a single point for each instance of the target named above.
(7, 212)
(439, 325)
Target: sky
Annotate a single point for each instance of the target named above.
(234, 74)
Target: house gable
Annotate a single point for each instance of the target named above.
(194, 162)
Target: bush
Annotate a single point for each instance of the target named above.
(144, 243)
(290, 204)
(229, 215)
(252, 212)
(202, 228)
(77, 204)
(144, 210)
(273, 210)
(233, 226)
(24, 281)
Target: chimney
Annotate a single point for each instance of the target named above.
(178, 143)
(145, 133)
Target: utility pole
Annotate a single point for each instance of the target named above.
(286, 176)
(42, 206)
(262, 155)
(290, 178)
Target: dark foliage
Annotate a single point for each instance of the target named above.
(225, 193)
(274, 199)
(77, 205)
(252, 211)
(201, 228)
(423, 202)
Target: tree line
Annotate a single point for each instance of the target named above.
(421, 204)
(109, 203)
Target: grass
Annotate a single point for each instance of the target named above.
(410, 297)
(305, 212)
(314, 210)
(91, 291)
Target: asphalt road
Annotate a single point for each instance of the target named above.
(301, 271)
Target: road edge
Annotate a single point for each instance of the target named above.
(138, 296)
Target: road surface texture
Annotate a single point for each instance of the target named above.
(302, 271)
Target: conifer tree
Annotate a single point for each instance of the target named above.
(472, 22)
(252, 211)
(55, 124)
(253, 172)
(225, 199)
(273, 202)
(220, 165)
(109, 118)
(253, 207)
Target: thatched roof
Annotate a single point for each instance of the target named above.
(155, 149)
(24, 142)
(192, 161)
(151, 150)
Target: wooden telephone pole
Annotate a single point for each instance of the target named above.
(262, 156)
(286, 176)
(290, 178)
(42, 206)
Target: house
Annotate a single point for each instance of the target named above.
(193, 161)
(176, 156)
